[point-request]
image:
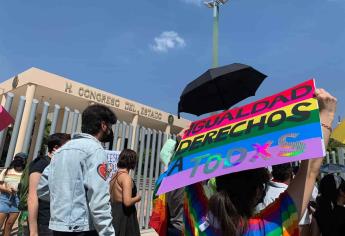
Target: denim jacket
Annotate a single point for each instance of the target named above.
(75, 184)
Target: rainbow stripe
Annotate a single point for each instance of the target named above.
(280, 218)
(285, 131)
(248, 108)
(194, 209)
(159, 217)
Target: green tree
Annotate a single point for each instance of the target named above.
(333, 144)
(44, 145)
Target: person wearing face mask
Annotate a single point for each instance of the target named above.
(9, 180)
(75, 182)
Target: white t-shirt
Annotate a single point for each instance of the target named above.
(274, 189)
(306, 219)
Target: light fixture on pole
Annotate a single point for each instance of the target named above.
(215, 5)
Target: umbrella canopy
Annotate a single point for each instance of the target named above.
(219, 89)
(339, 133)
(332, 168)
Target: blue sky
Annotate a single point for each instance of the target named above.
(148, 50)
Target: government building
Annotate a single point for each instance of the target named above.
(65, 95)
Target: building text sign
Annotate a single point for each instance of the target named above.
(281, 128)
(113, 101)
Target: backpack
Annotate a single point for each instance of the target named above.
(23, 189)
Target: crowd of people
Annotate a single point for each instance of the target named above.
(66, 192)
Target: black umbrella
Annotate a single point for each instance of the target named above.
(219, 89)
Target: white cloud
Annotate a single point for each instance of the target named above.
(195, 2)
(167, 40)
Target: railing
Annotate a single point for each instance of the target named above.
(146, 142)
(45, 119)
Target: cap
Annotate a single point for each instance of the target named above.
(21, 155)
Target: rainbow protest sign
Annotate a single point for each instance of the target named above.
(5, 118)
(281, 128)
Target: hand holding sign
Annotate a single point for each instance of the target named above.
(281, 128)
(327, 104)
(5, 118)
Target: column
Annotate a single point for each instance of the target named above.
(60, 119)
(134, 125)
(30, 93)
(3, 100)
(34, 136)
(167, 129)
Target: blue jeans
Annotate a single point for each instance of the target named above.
(9, 203)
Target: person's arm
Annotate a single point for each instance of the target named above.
(126, 185)
(98, 193)
(3, 185)
(34, 179)
(302, 186)
(314, 228)
(43, 186)
(5, 188)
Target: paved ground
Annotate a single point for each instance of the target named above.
(148, 232)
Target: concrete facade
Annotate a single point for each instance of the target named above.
(44, 86)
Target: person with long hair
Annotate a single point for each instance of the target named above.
(9, 180)
(123, 195)
(231, 208)
(330, 211)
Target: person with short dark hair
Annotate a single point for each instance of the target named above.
(127, 160)
(39, 210)
(75, 182)
(124, 196)
(282, 175)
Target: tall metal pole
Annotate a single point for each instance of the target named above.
(215, 33)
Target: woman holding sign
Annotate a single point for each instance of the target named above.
(231, 209)
(123, 194)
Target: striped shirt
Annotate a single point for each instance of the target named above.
(279, 218)
(11, 179)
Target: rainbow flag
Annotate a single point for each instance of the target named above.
(5, 118)
(195, 211)
(282, 128)
(278, 219)
(159, 217)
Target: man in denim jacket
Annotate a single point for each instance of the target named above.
(75, 181)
